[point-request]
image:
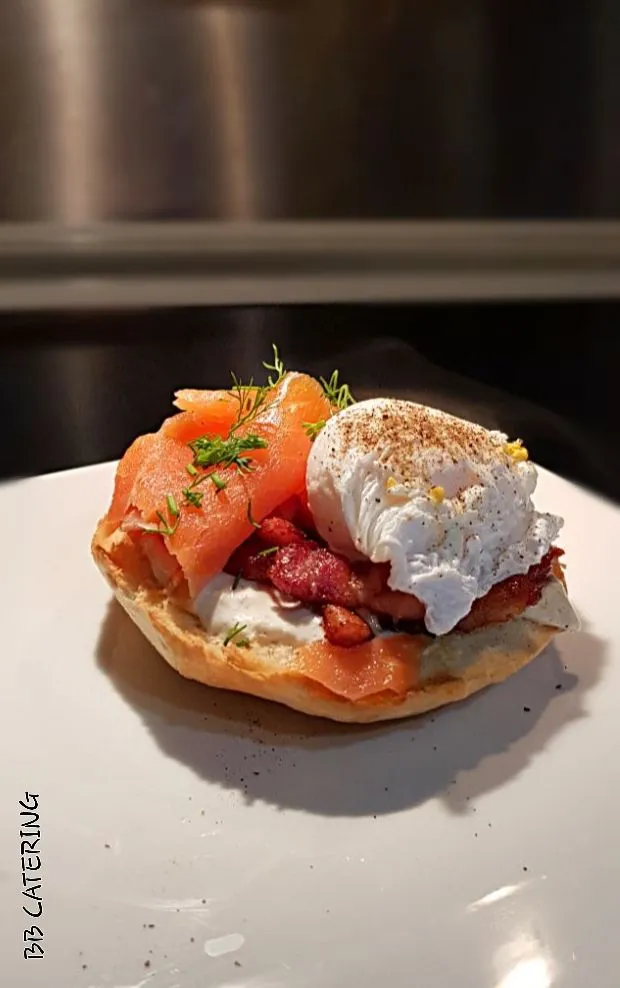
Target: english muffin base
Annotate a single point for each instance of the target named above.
(453, 666)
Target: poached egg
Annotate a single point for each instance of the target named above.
(447, 503)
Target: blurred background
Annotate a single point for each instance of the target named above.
(424, 195)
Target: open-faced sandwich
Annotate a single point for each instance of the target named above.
(358, 561)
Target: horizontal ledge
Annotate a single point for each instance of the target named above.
(144, 293)
(443, 238)
(142, 265)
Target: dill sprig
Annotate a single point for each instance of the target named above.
(214, 451)
(338, 395)
(235, 635)
(312, 429)
(194, 497)
(277, 367)
(268, 552)
(169, 522)
(251, 399)
(190, 496)
(219, 482)
(251, 519)
(211, 451)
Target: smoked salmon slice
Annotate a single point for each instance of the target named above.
(380, 665)
(202, 411)
(130, 465)
(154, 470)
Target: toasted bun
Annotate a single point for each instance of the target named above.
(452, 667)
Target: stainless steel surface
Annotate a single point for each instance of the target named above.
(146, 265)
(132, 132)
(149, 110)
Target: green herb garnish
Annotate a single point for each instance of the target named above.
(255, 524)
(219, 482)
(233, 635)
(312, 429)
(251, 399)
(269, 551)
(167, 525)
(165, 528)
(192, 497)
(277, 367)
(338, 395)
(210, 451)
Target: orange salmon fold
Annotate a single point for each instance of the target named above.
(155, 466)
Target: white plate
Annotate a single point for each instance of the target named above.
(192, 838)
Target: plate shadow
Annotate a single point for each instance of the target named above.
(271, 753)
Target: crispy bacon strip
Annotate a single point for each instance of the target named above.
(395, 604)
(248, 562)
(254, 558)
(508, 599)
(343, 627)
(280, 532)
(315, 576)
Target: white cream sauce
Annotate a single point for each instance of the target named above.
(554, 608)
(268, 619)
